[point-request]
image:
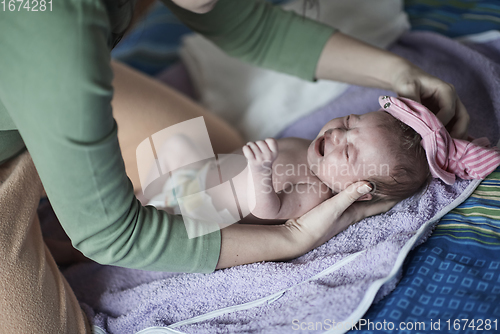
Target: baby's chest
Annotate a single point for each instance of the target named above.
(288, 171)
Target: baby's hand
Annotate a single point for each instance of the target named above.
(261, 154)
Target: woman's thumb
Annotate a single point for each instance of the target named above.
(363, 189)
(351, 194)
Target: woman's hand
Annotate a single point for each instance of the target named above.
(437, 95)
(333, 216)
(244, 243)
(352, 61)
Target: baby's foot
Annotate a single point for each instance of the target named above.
(261, 154)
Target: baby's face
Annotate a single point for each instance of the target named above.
(351, 148)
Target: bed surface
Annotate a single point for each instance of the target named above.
(455, 274)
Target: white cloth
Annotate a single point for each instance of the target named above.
(260, 102)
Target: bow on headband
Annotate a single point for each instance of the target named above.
(447, 157)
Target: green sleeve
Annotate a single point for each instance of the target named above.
(55, 82)
(262, 34)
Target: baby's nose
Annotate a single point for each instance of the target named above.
(338, 136)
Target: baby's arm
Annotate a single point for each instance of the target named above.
(263, 201)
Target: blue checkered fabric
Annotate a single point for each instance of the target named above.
(454, 275)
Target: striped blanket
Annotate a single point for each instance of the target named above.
(452, 281)
(454, 18)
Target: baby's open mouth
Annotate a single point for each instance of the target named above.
(321, 147)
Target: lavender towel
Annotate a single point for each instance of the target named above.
(352, 270)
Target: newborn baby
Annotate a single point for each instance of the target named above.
(396, 149)
(290, 176)
(286, 178)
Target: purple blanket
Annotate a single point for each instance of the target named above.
(335, 282)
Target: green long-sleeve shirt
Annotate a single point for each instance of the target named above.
(55, 94)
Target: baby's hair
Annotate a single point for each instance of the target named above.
(411, 173)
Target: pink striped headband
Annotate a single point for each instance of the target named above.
(447, 157)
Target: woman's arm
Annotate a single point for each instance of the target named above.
(55, 83)
(262, 34)
(349, 60)
(242, 244)
(268, 36)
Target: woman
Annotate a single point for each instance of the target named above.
(55, 101)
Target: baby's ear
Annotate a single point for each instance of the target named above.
(366, 197)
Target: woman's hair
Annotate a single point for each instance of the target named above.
(411, 172)
(121, 13)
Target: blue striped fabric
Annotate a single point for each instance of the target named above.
(454, 18)
(454, 275)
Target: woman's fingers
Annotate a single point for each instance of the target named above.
(439, 96)
(446, 100)
(452, 113)
(333, 216)
(335, 206)
(459, 128)
(367, 209)
(329, 218)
